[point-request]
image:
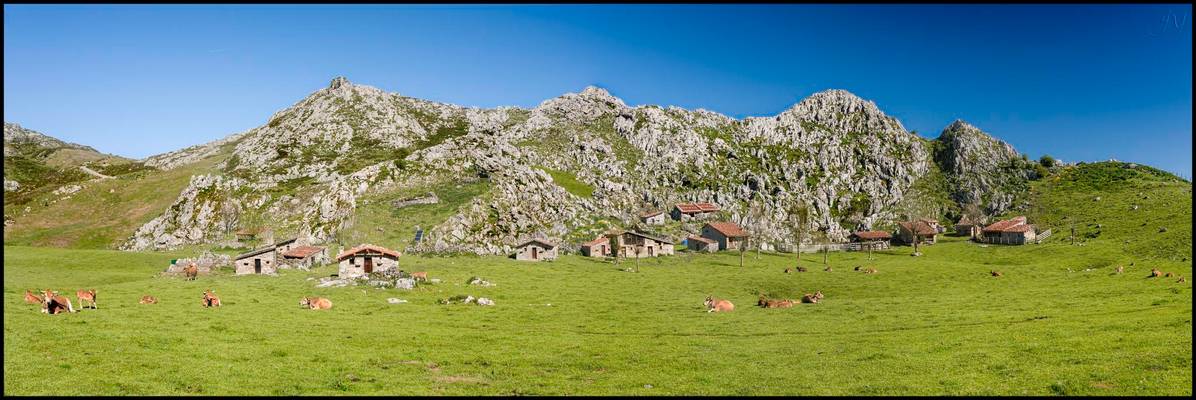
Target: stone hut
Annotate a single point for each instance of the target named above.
(968, 227)
(304, 257)
(535, 250)
(1011, 231)
(653, 217)
(688, 211)
(875, 240)
(366, 259)
(260, 261)
(640, 244)
(245, 235)
(701, 244)
(728, 235)
(924, 231)
(599, 247)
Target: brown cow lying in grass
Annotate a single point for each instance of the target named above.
(86, 297)
(147, 299)
(210, 299)
(1120, 269)
(1181, 280)
(812, 298)
(53, 303)
(995, 273)
(32, 298)
(772, 303)
(828, 269)
(1155, 273)
(315, 303)
(719, 305)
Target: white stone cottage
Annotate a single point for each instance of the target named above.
(365, 259)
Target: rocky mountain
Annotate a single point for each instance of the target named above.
(575, 165)
(983, 170)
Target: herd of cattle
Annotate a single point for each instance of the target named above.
(54, 303)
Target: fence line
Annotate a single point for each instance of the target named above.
(1042, 236)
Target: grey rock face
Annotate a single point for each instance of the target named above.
(835, 154)
(982, 170)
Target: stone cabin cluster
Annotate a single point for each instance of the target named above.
(290, 253)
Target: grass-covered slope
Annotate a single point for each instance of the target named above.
(1132, 211)
(104, 212)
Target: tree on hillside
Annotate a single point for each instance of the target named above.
(798, 216)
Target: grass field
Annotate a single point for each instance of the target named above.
(937, 324)
(1059, 322)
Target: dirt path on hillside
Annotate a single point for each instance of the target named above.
(91, 172)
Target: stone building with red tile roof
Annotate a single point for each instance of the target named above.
(366, 259)
(1010, 231)
(728, 235)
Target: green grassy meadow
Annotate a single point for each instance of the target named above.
(1059, 322)
(937, 324)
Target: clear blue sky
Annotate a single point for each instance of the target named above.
(1076, 82)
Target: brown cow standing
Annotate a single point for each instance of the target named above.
(719, 305)
(86, 297)
(420, 276)
(53, 303)
(147, 299)
(191, 271)
(210, 299)
(32, 298)
(315, 303)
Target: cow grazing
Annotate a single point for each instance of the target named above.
(420, 276)
(315, 303)
(719, 305)
(210, 299)
(53, 303)
(995, 273)
(86, 297)
(147, 299)
(1155, 273)
(32, 298)
(191, 271)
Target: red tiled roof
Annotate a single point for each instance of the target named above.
(702, 239)
(366, 247)
(873, 235)
(1002, 226)
(1019, 228)
(688, 208)
(919, 227)
(707, 207)
(728, 229)
(595, 242)
(302, 251)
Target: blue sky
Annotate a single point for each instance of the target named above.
(1077, 82)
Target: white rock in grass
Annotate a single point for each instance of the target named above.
(485, 302)
(393, 300)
